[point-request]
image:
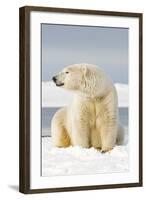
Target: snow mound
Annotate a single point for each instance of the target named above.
(78, 160)
(53, 96)
(123, 94)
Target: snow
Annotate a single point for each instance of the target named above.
(53, 96)
(79, 161)
(123, 94)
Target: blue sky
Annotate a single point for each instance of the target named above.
(63, 45)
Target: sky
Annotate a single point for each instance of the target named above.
(64, 45)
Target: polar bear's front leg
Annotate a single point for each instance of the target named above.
(109, 122)
(108, 136)
(80, 129)
(80, 135)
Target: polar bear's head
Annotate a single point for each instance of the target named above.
(84, 78)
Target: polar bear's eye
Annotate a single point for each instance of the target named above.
(67, 72)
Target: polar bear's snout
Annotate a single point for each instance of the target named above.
(54, 78)
(57, 81)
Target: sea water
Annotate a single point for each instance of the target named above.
(47, 114)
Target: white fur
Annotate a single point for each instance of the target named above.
(92, 118)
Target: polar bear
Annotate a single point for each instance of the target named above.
(92, 118)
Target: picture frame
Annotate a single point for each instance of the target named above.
(31, 17)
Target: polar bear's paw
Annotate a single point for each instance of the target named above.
(104, 150)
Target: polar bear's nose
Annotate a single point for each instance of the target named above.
(54, 78)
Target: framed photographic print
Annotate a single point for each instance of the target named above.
(80, 99)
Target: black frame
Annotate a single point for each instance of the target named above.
(24, 99)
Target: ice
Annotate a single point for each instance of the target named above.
(77, 160)
(53, 96)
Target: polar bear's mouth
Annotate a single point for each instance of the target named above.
(59, 84)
